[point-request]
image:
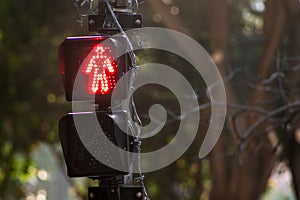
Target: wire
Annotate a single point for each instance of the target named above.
(80, 3)
(130, 50)
(136, 117)
(136, 3)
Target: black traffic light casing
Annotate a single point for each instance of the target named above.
(90, 67)
(75, 56)
(80, 162)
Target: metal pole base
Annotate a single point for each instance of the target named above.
(116, 192)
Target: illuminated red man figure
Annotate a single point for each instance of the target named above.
(102, 70)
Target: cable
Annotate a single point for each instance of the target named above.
(80, 3)
(136, 117)
(136, 3)
(130, 50)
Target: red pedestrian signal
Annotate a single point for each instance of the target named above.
(93, 62)
(101, 68)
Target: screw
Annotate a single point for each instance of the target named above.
(92, 22)
(138, 22)
(109, 25)
(92, 195)
(139, 195)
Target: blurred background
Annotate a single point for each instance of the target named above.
(256, 46)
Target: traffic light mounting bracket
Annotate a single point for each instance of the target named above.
(104, 22)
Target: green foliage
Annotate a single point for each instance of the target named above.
(31, 90)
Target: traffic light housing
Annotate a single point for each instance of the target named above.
(92, 63)
(82, 163)
(90, 67)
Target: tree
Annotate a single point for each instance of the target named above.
(254, 129)
(32, 98)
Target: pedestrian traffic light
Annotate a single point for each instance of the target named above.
(96, 141)
(92, 64)
(79, 160)
(91, 67)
